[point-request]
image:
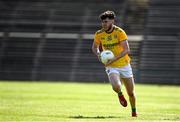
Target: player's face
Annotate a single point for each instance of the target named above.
(107, 24)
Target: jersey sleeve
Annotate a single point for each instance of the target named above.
(122, 35)
(96, 39)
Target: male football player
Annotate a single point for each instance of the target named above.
(118, 69)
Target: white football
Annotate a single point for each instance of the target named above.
(106, 55)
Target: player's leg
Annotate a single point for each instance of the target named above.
(116, 85)
(129, 84)
(115, 82)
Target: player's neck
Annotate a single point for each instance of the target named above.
(110, 30)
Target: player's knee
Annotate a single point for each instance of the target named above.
(131, 94)
(116, 88)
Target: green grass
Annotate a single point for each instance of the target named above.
(81, 102)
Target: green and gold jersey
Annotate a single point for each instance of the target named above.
(111, 41)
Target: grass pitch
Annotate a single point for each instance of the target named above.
(80, 102)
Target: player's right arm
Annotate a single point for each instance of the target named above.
(95, 47)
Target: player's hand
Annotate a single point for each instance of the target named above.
(110, 61)
(99, 57)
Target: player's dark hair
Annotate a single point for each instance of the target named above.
(107, 14)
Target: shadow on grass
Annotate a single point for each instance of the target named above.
(93, 117)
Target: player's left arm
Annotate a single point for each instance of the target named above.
(126, 50)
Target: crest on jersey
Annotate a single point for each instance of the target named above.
(115, 36)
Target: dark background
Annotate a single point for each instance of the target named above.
(50, 40)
